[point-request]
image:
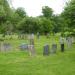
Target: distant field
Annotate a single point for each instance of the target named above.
(20, 63)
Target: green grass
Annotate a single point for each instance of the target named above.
(20, 63)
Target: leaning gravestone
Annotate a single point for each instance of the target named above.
(23, 46)
(31, 50)
(54, 48)
(46, 50)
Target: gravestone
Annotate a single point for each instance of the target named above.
(6, 47)
(54, 48)
(31, 39)
(62, 44)
(69, 42)
(1, 44)
(31, 50)
(23, 46)
(73, 40)
(46, 50)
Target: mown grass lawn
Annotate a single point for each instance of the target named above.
(20, 63)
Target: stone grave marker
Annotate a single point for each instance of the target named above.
(62, 44)
(69, 42)
(46, 50)
(31, 39)
(54, 48)
(6, 46)
(31, 50)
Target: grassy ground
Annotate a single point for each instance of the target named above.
(20, 63)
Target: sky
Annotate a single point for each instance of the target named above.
(34, 7)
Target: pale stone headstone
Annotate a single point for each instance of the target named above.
(69, 42)
(31, 50)
(46, 50)
(31, 39)
(54, 48)
(6, 47)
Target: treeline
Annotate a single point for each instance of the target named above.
(17, 21)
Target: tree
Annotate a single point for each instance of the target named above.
(69, 14)
(47, 12)
(21, 12)
(46, 25)
(5, 13)
(28, 25)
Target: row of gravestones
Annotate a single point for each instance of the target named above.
(46, 51)
(30, 48)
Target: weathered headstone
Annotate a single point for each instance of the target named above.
(46, 50)
(31, 50)
(23, 46)
(6, 46)
(54, 48)
(31, 39)
(69, 42)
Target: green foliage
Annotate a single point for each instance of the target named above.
(19, 21)
(28, 25)
(21, 12)
(46, 25)
(69, 14)
(47, 12)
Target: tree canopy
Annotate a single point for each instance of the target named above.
(17, 20)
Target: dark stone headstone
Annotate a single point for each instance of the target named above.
(54, 48)
(62, 44)
(62, 47)
(46, 50)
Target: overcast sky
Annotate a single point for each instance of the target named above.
(34, 7)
